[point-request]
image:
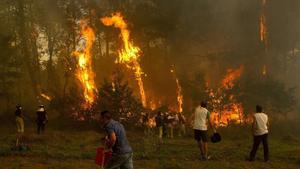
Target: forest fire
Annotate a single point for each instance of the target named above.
(232, 75)
(84, 71)
(229, 111)
(130, 54)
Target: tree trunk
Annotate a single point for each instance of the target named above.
(23, 34)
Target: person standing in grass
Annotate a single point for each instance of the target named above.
(19, 123)
(260, 133)
(181, 125)
(159, 124)
(41, 119)
(117, 141)
(201, 121)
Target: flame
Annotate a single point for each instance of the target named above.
(84, 70)
(232, 112)
(179, 92)
(46, 97)
(130, 54)
(151, 122)
(232, 75)
(263, 25)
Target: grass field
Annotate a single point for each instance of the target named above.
(75, 149)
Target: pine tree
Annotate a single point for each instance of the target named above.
(117, 97)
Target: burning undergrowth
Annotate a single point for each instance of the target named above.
(226, 108)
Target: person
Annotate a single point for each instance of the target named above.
(146, 126)
(181, 125)
(260, 133)
(201, 119)
(165, 124)
(19, 123)
(159, 124)
(116, 140)
(41, 119)
(170, 124)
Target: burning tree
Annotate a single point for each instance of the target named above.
(116, 96)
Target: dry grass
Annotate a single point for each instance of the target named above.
(76, 150)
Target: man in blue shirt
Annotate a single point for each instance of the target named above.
(117, 140)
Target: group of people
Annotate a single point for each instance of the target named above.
(41, 120)
(166, 123)
(122, 152)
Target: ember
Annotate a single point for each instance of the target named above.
(46, 97)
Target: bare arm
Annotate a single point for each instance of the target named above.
(253, 125)
(210, 123)
(111, 140)
(268, 124)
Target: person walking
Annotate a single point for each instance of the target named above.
(116, 140)
(260, 130)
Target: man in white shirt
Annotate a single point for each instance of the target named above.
(201, 120)
(260, 133)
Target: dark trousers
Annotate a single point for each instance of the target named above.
(256, 142)
(40, 128)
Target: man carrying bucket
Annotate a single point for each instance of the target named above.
(117, 141)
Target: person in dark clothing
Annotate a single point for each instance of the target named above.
(145, 121)
(41, 119)
(116, 140)
(159, 124)
(260, 130)
(165, 124)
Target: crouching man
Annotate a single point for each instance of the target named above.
(117, 141)
(260, 133)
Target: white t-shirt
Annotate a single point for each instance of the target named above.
(261, 127)
(201, 117)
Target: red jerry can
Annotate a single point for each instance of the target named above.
(102, 157)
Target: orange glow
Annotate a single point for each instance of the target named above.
(84, 70)
(263, 30)
(46, 96)
(232, 75)
(231, 112)
(151, 122)
(152, 105)
(264, 71)
(130, 54)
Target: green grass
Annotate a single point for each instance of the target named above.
(71, 149)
